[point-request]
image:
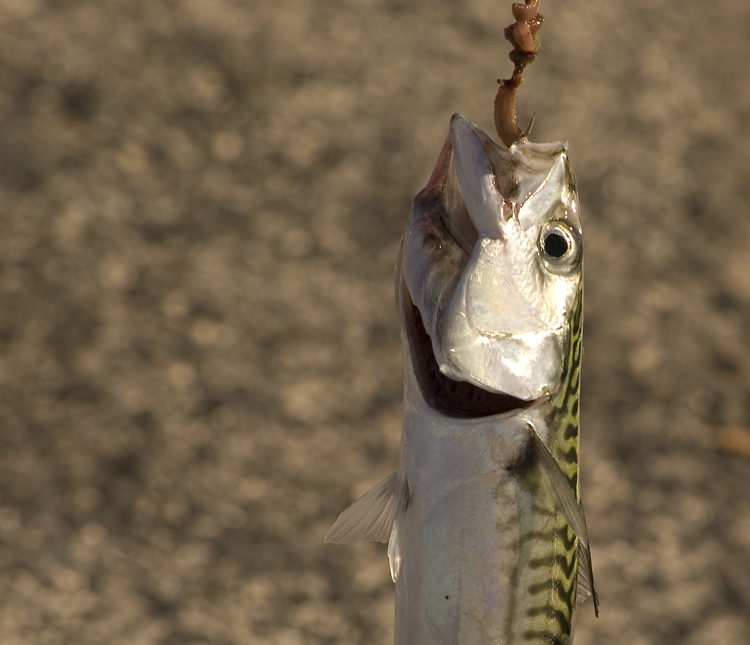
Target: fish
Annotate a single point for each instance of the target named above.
(486, 533)
(487, 538)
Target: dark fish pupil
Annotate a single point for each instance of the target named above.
(555, 245)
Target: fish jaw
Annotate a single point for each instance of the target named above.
(493, 301)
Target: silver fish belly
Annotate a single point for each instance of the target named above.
(487, 537)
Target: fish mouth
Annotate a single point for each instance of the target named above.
(452, 398)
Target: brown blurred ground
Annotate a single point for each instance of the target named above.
(199, 364)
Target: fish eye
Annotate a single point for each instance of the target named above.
(555, 245)
(560, 247)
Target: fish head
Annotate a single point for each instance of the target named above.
(491, 263)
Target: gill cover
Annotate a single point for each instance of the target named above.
(492, 260)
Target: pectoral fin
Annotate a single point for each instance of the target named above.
(542, 474)
(374, 517)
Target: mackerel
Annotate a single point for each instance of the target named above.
(487, 539)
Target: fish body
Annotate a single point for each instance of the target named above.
(487, 538)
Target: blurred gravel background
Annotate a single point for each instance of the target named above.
(199, 362)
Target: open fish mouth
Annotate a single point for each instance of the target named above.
(452, 398)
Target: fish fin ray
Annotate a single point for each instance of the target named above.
(585, 579)
(370, 518)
